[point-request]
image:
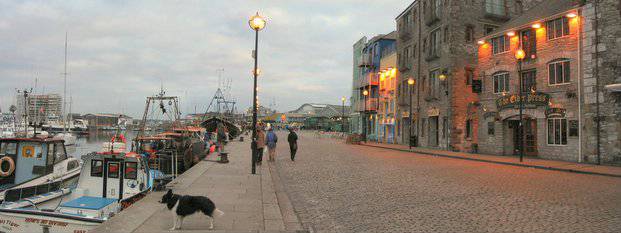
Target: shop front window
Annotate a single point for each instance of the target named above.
(557, 131)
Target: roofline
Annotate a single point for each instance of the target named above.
(542, 20)
(406, 9)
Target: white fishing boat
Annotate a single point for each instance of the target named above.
(67, 137)
(109, 182)
(33, 166)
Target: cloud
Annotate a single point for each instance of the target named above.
(122, 51)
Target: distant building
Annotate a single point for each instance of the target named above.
(320, 116)
(43, 107)
(107, 121)
(368, 81)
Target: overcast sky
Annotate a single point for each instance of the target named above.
(121, 51)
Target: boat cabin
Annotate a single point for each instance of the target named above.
(25, 159)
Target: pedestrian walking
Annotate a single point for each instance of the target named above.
(293, 143)
(271, 139)
(260, 145)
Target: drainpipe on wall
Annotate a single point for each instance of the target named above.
(598, 117)
(418, 72)
(580, 85)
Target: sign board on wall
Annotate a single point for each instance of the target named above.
(530, 100)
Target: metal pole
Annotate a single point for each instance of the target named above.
(410, 119)
(343, 117)
(253, 145)
(521, 125)
(365, 120)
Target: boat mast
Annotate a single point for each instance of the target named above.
(64, 117)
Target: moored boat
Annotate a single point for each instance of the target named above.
(32, 166)
(109, 182)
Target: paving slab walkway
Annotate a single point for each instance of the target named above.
(252, 203)
(564, 166)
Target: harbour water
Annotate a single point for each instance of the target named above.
(93, 141)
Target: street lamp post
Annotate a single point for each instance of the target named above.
(343, 115)
(365, 93)
(257, 23)
(410, 84)
(519, 55)
(443, 78)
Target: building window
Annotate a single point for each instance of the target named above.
(529, 81)
(469, 33)
(444, 127)
(558, 72)
(557, 131)
(446, 34)
(489, 29)
(434, 43)
(501, 82)
(469, 75)
(468, 128)
(573, 128)
(490, 128)
(434, 83)
(422, 126)
(500, 44)
(495, 7)
(557, 28)
(529, 43)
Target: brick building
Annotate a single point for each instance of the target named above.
(558, 81)
(435, 47)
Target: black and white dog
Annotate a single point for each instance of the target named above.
(185, 205)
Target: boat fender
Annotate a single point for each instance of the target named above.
(11, 169)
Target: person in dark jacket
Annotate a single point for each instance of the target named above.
(293, 143)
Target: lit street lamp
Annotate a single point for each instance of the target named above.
(410, 85)
(365, 93)
(519, 55)
(257, 23)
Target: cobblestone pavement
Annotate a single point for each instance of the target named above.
(336, 187)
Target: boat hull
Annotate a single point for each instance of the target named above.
(38, 221)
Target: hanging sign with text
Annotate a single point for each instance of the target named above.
(530, 100)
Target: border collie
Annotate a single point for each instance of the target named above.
(185, 205)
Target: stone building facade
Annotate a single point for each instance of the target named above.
(601, 53)
(562, 85)
(435, 47)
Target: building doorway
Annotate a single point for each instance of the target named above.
(530, 138)
(433, 131)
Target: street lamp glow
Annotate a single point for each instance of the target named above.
(365, 93)
(511, 33)
(343, 99)
(481, 42)
(442, 77)
(256, 22)
(411, 81)
(536, 25)
(520, 54)
(393, 72)
(571, 15)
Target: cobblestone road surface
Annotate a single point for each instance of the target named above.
(336, 187)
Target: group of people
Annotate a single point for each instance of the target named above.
(270, 140)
